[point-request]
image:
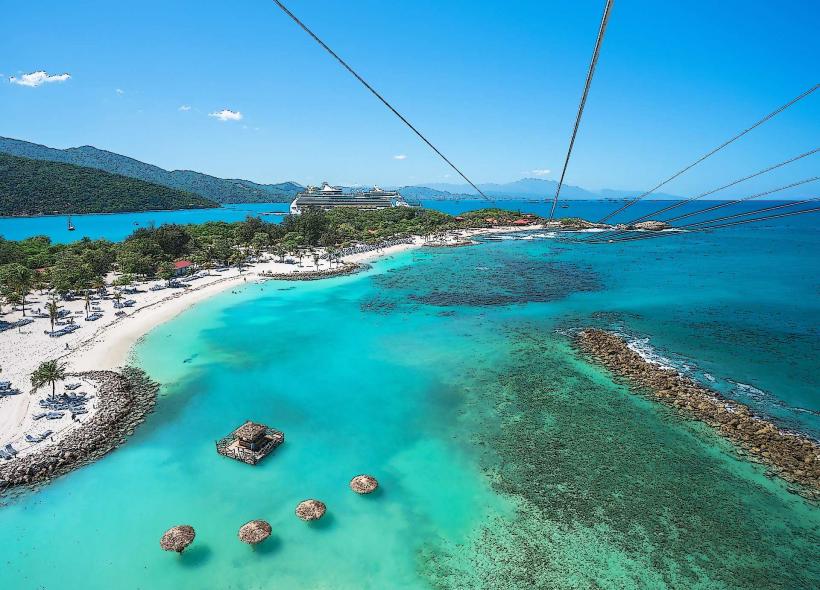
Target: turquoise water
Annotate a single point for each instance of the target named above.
(116, 226)
(505, 460)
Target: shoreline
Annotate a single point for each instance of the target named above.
(792, 456)
(124, 398)
(107, 347)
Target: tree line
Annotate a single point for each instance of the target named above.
(150, 252)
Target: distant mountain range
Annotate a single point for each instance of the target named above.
(224, 190)
(525, 189)
(220, 190)
(39, 187)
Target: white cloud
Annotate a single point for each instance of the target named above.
(185, 107)
(400, 157)
(226, 115)
(39, 77)
(540, 171)
(120, 91)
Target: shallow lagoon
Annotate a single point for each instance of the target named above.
(505, 460)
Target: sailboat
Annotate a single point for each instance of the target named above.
(70, 225)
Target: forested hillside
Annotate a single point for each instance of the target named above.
(221, 190)
(37, 187)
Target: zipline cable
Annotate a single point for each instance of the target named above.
(707, 223)
(699, 227)
(760, 122)
(614, 233)
(377, 95)
(590, 73)
(598, 240)
(743, 200)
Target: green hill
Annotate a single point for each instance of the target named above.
(220, 190)
(37, 187)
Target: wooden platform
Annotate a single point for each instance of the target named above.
(235, 445)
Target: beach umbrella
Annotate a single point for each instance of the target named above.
(364, 484)
(311, 510)
(177, 538)
(254, 532)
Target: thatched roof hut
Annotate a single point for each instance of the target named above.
(254, 532)
(177, 538)
(364, 484)
(251, 431)
(311, 510)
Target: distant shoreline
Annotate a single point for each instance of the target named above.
(477, 199)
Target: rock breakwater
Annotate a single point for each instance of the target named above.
(314, 275)
(792, 456)
(123, 399)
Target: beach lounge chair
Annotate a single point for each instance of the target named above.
(39, 437)
(10, 450)
(54, 415)
(5, 384)
(72, 386)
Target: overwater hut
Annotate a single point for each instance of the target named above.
(177, 538)
(311, 510)
(254, 532)
(250, 443)
(364, 484)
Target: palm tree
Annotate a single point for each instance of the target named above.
(53, 312)
(18, 278)
(315, 259)
(117, 298)
(97, 284)
(237, 258)
(48, 372)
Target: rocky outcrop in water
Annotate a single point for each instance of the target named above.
(793, 456)
(123, 401)
(576, 223)
(649, 225)
(315, 275)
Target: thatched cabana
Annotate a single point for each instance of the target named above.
(364, 484)
(250, 443)
(311, 510)
(254, 532)
(177, 538)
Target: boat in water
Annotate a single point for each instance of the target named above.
(70, 224)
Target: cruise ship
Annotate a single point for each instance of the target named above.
(328, 197)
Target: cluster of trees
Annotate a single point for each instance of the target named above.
(36, 187)
(151, 251)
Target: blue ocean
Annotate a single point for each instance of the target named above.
(506, 459)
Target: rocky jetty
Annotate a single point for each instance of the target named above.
(576, 223)
(123, 400)
(792, 456)
(315, 275)
(649, 225)
(454, 244)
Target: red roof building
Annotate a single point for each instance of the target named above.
(182, 264)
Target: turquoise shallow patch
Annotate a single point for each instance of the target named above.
(505, 460)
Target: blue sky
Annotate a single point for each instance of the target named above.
(494, 84)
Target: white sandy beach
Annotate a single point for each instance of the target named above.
(105, 343)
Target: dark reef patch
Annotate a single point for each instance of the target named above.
(502, 278)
